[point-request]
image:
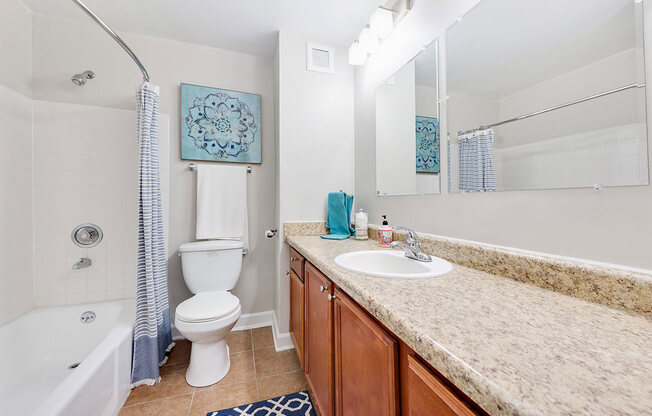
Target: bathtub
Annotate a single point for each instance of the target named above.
(37, 349)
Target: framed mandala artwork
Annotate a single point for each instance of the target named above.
(427, 133)
(220, 125)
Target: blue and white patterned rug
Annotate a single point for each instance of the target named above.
(295, 404)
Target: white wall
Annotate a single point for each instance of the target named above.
(395, 134)
(610, 226)
(315, 144)
(62, 48)
(16, 236)
(86, 171)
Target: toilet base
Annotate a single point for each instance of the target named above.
(209, 363)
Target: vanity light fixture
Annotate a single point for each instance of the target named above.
(380, 25)
(357, 55)
(368, 41)
(381, 22)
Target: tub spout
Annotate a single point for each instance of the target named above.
(82, 263)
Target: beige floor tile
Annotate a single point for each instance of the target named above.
(180, 352)
(282, 384)
(174, 406)
(242, 369)
(172, 384)
(173, 368)
(223, 397)
(270, 363)
(262, 337)
(239, 341)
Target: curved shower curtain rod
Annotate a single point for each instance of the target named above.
(114, 36)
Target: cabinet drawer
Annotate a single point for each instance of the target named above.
(297, 262)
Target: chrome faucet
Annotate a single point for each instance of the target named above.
(412, 247)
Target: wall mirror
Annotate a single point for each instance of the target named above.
(546, 94)
(407, 128)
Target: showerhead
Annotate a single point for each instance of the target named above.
(80, 79)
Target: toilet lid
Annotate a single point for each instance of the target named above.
(207, 306)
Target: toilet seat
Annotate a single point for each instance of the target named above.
(207, 306)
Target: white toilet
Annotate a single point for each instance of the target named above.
(210, 269)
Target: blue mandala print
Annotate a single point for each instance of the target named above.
(220, 125)
(427, 134)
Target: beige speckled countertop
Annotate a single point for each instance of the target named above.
(513, 348)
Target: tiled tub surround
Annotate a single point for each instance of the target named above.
(617, 288)
(513, 348)
(16, 286)
(86, 170)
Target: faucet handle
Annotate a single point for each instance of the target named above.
(411, 236)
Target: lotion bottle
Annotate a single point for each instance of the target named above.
(384, 233)
(361, 224)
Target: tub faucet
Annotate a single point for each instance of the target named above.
(82, 263)
(412, 247)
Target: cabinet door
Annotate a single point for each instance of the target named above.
(366, 363)
(297, 314)
(318, 356)
(424, 394)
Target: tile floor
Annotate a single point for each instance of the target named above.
(257, 372)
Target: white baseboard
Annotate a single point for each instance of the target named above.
(282, 341)
(254, 320)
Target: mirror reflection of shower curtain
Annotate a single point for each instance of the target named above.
(477, 161)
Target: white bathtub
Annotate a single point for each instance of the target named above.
(36, 350)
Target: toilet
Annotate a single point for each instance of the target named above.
(210, 269)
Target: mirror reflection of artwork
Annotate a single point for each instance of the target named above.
(407, 128)
(220, 125)
(427, 135)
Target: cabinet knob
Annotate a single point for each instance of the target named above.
(293, 259)
(322, 288)
(331, 297)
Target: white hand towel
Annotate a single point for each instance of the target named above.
(222, 203)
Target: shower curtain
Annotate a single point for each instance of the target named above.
(477, 161)
(152, 333)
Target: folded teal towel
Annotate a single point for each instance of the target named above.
(339, 216)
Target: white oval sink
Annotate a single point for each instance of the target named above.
(392, 264)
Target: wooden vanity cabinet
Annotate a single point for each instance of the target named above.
(424, 393)
(366, 363)
(297, 303)
(297, 320)
(318, 354)
(353, 365)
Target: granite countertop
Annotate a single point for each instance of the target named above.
(513, 348)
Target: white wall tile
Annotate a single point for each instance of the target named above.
(16, 240)
(86, 169)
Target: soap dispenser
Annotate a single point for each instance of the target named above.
(384, 233)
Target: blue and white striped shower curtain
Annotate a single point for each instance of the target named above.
(477, 161)
(152, 333)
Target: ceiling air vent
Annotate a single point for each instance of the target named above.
(320, 58)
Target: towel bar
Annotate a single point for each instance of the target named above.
(193, 166)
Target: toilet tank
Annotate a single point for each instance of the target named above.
(210, 266)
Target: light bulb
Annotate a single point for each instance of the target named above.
(368, 41)
(381, 22)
